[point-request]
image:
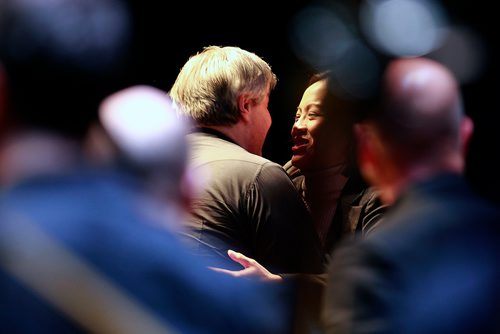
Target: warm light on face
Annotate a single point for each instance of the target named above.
(317, 141)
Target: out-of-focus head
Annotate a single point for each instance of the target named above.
(147, 135)
(209, 85)
(61, 57)
(322, 131)
(419, 123)
(142, 122)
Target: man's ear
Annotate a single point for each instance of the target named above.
(361, 138)
(244, 105)
(365, 152)
(3, 97)
(466, 131)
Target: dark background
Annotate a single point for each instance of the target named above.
(167, 33)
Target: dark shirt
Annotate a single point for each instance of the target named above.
(432, 267)
(358, 212)
(248, 204)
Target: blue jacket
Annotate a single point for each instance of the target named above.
(95, 230)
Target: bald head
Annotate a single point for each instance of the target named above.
(418, 130)
(422, 85)
(421, 111)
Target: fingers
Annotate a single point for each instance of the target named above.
(249, 272)
(240, 258)
(221, 270)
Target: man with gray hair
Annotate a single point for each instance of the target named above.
(248, 203)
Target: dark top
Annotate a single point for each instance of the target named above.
(358, 213)
(248, 204)
(103, 222)
(432, 267)
(359, 209)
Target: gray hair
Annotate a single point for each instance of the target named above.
(209, 84)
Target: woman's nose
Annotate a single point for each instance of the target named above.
(298, 125)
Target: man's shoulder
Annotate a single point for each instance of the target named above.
(210, 150)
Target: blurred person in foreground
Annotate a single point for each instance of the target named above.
(248, 203)
(432, 267)
(88, 247)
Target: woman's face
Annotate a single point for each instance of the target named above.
(320, 138)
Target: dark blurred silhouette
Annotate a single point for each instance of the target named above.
(432, 266)
(88, 246)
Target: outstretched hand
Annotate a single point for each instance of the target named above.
(251, 268)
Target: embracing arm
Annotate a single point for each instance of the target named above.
(308, 289)
(251, 268)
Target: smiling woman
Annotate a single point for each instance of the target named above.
(321, 134)
(323, 170)
(322, 165)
